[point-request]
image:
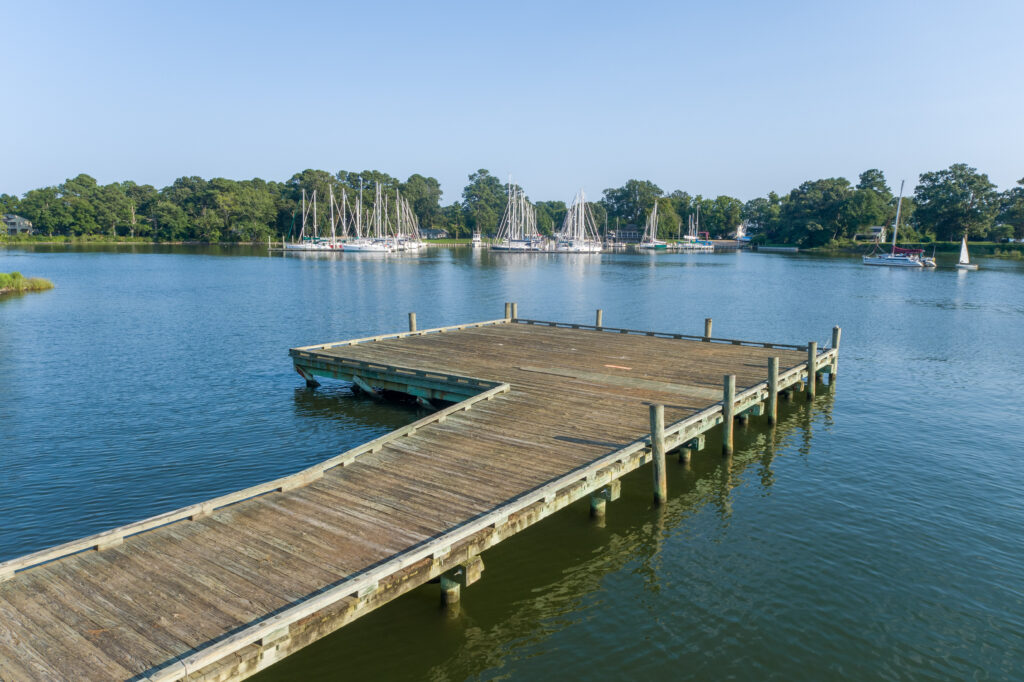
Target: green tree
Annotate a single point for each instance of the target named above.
(874, 179)
(632, 202)
(484, 199)
(762, 214)
(424, 196)
(9, 203)
(1011, 209)
(956, 201)
(813, 213)
(550, 215)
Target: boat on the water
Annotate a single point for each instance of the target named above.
(965, 258)
(899, 258)
(579, 232)
(375, 242)
(517, 230)
(477, 240)
(691, 241)
(650, 239)
(310, 239)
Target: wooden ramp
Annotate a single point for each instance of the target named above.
(543, 415)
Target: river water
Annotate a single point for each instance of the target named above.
(874, 534)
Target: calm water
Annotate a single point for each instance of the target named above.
(873, 535)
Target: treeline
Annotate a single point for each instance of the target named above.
(944, 205)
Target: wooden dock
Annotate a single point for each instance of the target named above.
(532, 417)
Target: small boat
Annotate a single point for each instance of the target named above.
(314, 242)
(650, 239)
(579, 233)
(477, 242)
(900, 258)
(364, 242)
(517, 231)
(965, 260)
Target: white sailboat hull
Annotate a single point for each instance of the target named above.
(966, 266)
(895, 261)
(578, 247)
(368, 246)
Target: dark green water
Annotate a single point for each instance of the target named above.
(875, 534)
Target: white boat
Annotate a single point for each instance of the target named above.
(407, 228)
(375, 243)
(314, 242)
(579, 232)
(517, 230)
(650, 239)
(477, 241)
(691, 241)
(899, 258)
(965, 259)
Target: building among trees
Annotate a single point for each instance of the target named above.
(15, 224)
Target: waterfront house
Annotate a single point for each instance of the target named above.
(15, 224)
(434, 233)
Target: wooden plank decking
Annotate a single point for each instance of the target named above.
(547, 415)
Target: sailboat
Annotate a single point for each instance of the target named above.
(313, 242)
(365, 242)
(407, 227)
(579, 233)
(650, 239)
(518, 228)
(965, 260)
(691, 240)
(901, 258)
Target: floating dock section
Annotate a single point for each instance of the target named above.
(529, 417)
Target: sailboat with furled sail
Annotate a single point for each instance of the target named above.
(650, 239)
(900, 258)
(579, 232)
(364, 241)
(517, 230)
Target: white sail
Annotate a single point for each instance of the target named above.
(964, 257)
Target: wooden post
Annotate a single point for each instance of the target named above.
(515, 311)
(812, 370)
(508, 310)
(728, 411)
(836, 332)
(600, 316)
(773, 390)
(412, 322)
(658, 453)
(597, 506)
(450, 589)
(707, 328)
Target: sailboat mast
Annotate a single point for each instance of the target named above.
(316, 234)
(896, 227)
(302, 232)
(331, 190)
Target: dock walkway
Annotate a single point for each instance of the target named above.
(543, 414)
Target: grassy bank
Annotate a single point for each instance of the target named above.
(16, 283)
(996, 249)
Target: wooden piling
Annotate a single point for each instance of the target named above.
(707, 328)
(598, 505)
(412, 322)
(773, 390)
(450, 590)
(728, 411)
(599, 319)
(812, 369)
(836, 332)
(658, 453)
(515, 310)
(508, 310)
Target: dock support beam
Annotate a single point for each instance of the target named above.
(812, 369)
(311, 381)
(658, 453)
(599, 319)
(707, 328)
(508, 310)
(836, 332)
(728, 411)
(412, 322)
(515, 310)
(773, 390)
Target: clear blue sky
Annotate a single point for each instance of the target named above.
(731, 98)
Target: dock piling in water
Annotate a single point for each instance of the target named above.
(812, 368)
(728, 411)
(707, 328)
(836, 333)
(412, 322)
(658, 453)
(773, 389)
(599, 318)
